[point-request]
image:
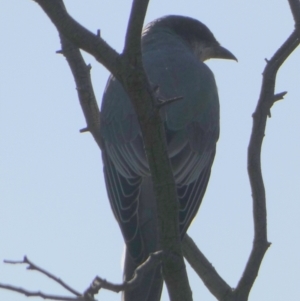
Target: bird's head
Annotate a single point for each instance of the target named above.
(195, 34)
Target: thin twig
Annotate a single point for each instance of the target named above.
(28, 293)
(152, 261)
(32, 266)
(86, 95)
(164, 102)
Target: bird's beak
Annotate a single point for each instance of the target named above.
(220, 52)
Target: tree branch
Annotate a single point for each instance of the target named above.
(28, 293)
(34, 267)
(128, 69)
(80, 36)
(86, 95)
(265, 102)
(151, 262)
(205, 270)
(217, 286)
(135, 26)
(144, 101)
(295, 9)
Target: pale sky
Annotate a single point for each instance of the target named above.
(54, 206)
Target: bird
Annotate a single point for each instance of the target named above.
(174, 49)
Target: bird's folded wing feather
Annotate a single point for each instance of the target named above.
(192, 129)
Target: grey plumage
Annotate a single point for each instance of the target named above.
(174, 48)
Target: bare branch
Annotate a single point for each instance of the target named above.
(40, 294)
(79, 35)
(135, 26)
(266, 101)
(86, 95)
(152, 261)
(295, 8)
(34, 267)
(210, 277)
(205, 270)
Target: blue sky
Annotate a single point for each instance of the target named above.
(54, 206)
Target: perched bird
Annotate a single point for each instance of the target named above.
(174, 49)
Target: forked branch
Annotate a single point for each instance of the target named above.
(217, 286)
(152, 261)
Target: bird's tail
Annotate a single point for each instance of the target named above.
(150, 287)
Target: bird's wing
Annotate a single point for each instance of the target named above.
(192, 125)
(124, 163)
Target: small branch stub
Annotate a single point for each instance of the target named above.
(84, 130)
(164, 102)
(279, 96)
(98, 33)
